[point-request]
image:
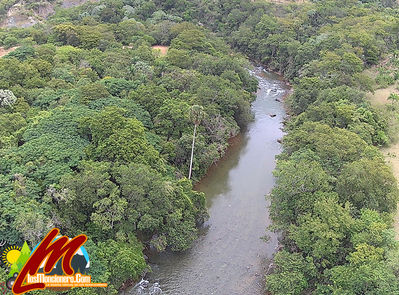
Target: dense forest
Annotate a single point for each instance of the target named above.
(96, 131)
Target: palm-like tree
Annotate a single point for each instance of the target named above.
(196, 116)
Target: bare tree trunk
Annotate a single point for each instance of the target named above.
(192, 152)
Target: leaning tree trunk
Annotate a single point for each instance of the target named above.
(192, 152)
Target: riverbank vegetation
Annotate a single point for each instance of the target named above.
(96, 132)
(335, 196)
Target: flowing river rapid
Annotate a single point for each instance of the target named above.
(229, 257)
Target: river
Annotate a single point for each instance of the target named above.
(230, 258)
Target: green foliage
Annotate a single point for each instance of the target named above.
(123, 260)
(374, 229)
(31, 221)
(81, 191)
(334, 146)
(299, 184)
(96, 129)
(368, 184)
(384, 80)
(322, 234)
(306, 92)
(292, 274)
(116, 138)
(53, 146)
(369, 277)
(151, 97)
(9, 42)
(161, 207)
(131, 109)
(172, 119)
(118, 87)
(130, 199)
(3, 274)
(393, 97)
(22, 53)
(93, 91)
(12, 127)
(192, 39)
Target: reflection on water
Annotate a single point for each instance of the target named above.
(223, 166)
(229, 258)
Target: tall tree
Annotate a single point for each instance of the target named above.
(196, 115)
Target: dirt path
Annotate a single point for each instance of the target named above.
(4, 52)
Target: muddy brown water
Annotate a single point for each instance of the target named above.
(229, 258)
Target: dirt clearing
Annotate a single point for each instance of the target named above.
(4, 52)
(163, 49)
(380, 96)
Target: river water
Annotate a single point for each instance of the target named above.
(230, 258)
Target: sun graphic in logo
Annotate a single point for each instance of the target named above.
(11, 255)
